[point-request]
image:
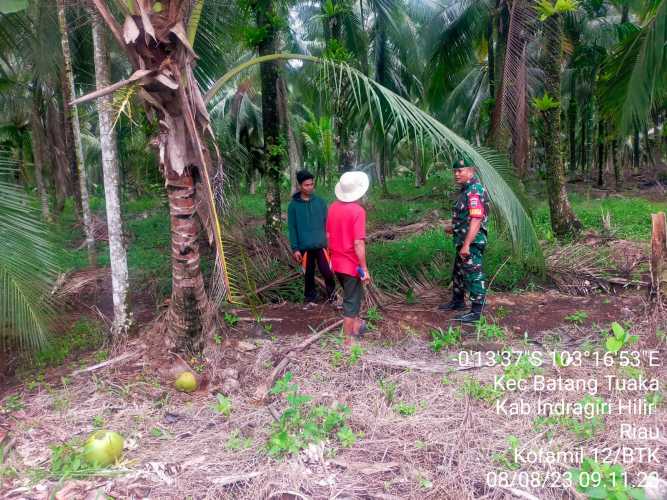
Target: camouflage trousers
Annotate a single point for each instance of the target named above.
(469, 276)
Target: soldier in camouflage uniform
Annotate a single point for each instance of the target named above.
(469, 228)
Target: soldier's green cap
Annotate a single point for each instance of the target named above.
(462, 162)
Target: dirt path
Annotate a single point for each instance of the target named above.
(530, 313)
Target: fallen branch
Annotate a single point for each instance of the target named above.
(263, 390)
(416, 365)
(522, 494)
(235, 478)
(104, 364)
(390, 233)
(241, 318)
(367, 468)
(284, 493)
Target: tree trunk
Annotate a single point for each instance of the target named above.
(188, 295)
(255, 168)
(382, 77)
(382, 165)
(419, 167)
(286, 125)
(563, 219)
(490, 58)
(572, 126)
(59, 160)
(377, 164)
(635, 150)
(38, 143)
(584, 140)
(498, 134)
(111, 171)
(618, 179)
(649, 151)
(275, 145)
(162, 57)
(68, 95)
(600, 152)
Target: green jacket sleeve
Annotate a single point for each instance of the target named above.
(291, 227)
(325, 209)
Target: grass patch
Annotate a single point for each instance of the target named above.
(85, 334)
(629, 215)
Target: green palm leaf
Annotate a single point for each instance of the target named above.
(388, 110)
(27, 266)
(636, 73)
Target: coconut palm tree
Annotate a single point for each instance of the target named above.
(159, 47)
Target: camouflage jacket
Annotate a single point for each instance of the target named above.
(471, 203)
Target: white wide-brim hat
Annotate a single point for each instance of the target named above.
(351, 186)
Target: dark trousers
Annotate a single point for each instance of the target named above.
(312, 257)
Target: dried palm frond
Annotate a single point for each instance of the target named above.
(578, 269)
(73, 283)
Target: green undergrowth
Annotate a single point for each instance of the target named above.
(430, 253)
(416, 254)
(83, 335)
(630, 217)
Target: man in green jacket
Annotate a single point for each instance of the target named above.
(306, 220)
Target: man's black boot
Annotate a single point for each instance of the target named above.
(472, 316)
(456, 304)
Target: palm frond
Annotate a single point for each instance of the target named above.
(386, 109)
(453, 34)
(462, 106)
(27, 266)
(636, 72)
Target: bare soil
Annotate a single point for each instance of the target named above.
(177, 446)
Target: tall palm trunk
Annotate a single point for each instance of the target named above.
(68, 94)
(618, 177)
(498, 135)
(563, 219)
(59, 160)
(490, 57)
(417, 153)
(333, 32)
(275, 147)
(601, 141)
(381, 70)
(572, 125)
(636, 153)
(584, 140)
(286, 124)
(111, 172)
(649, 151)
(158, 48)
(38, 144)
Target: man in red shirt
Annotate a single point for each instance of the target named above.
(346, 234)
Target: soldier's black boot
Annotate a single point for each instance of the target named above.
(472, 316)
(456, 304)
